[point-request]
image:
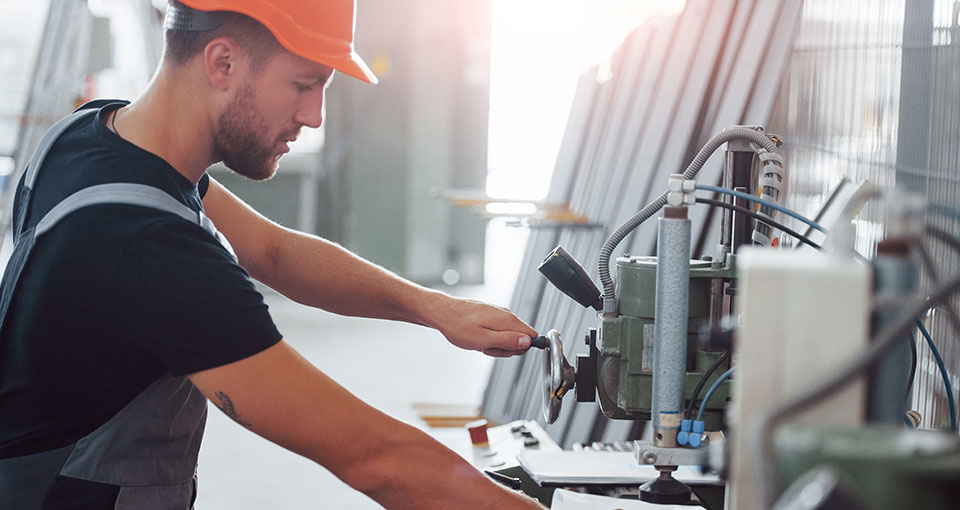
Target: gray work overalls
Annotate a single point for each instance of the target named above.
(149, 449)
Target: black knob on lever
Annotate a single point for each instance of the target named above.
(567, 275)
(540, 342)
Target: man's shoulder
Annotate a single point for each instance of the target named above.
(90, 155)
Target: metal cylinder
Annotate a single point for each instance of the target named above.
(895, 279)
(670, 324)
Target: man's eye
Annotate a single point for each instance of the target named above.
(302, 88)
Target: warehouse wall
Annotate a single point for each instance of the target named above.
(871, 93)
(423, 126)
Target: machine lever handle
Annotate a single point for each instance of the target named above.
(568, 276)
(540, 342)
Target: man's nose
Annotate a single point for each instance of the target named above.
(310, 113)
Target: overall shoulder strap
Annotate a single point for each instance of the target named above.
(123, 193)
(36, 163)
(117, 193)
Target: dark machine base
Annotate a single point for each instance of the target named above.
(665, 490)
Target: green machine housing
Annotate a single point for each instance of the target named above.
(621, 353)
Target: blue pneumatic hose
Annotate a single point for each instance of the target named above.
(711, 391)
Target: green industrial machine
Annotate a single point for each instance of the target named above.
(876, 468)
(646, 360)
(624, 364)
(619, 368)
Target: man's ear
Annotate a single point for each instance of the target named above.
(222, 62)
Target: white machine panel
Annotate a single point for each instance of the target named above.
(803, 316)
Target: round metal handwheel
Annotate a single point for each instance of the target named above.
(558, 377)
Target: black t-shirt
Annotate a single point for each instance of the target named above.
(114, 297)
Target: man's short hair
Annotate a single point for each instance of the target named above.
(256, 39)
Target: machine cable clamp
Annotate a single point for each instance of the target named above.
(680, 191)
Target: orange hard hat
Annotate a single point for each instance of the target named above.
(318, 30)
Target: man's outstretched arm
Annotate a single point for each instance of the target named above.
(279, 395)
(319, 273)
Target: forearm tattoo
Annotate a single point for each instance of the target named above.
(226, 405)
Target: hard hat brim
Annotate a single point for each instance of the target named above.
(352, 66)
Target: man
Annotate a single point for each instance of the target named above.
(122, 307)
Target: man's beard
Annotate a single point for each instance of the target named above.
(238, 140)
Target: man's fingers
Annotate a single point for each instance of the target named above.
(508, 341)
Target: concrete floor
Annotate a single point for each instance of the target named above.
(239, 470)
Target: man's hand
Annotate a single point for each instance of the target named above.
(477, 326)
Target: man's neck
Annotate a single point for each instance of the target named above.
(171, 124)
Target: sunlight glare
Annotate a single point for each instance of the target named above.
(539, 49)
